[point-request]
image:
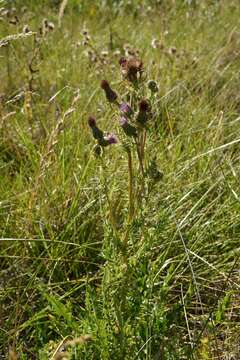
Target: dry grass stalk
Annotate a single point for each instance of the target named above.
(61, 11)
(5, 41)
(12, 355)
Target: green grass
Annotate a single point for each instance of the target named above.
(173, 291)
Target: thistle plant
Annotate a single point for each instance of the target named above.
(133, 117)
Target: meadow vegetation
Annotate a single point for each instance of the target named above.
(119, 181)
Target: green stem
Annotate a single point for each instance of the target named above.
(130, 199)
(138, 147)
(130, 187)
(143, 142)
(111, 214)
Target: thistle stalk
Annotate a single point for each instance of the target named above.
(131, 201)
(130, 187)
(139, 154)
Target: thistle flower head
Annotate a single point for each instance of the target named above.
(126, 109)
(135, 65)
(123, 121)
(111, 95)
(105, 85)
(130, 68)
(144, 106)
(92, 121)
(26, 29)
(128, 129)
(96, 132)
(108, 140)
(122, 61)
(111, 139)
(144, 112)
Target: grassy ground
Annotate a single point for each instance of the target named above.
(100, 260)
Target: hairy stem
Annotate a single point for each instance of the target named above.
(130, 187)
(130, 199)
(139, 154)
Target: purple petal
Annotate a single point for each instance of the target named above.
(123, 121)
(112, 139)
(126, 109)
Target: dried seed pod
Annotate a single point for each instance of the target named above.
(26, 29)
(131, 68)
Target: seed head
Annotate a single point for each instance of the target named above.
(130, 68)
(122, 61)
(51, 26)
(14, 20)
(104, 53)
(154, 43)
(172, 50)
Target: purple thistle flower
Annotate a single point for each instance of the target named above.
(123, 121)
(126, 109)
(108, 140)
(111, 139)
(127, 128)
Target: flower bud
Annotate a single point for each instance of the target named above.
(152, 85)
(144, 106)
(143, 114)
(111, 95)
(96, 132)
(91, 121)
